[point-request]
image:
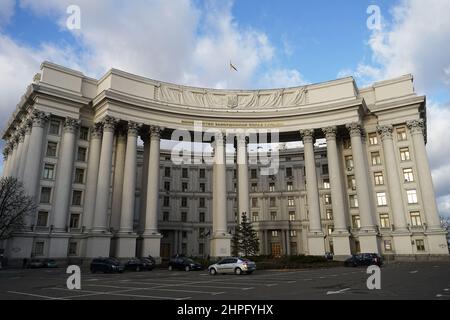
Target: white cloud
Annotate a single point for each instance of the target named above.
(283, 78)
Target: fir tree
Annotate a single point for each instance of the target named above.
(248, 239)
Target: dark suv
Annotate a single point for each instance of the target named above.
(106, 265)
(184, 263)
(137, 264)
(364, 259)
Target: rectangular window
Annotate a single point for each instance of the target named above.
(289, 172)
(379, 179)
(416, 221)
(39, 248)
(201, 233)
(254, 187)
(202, 173)
(49, 171)
(330, 230)
(184, 217)
(201, 217)
(184, 248)
(273, 202)
(76, 197)
(381, 199)
(183, 201)
(420, 245)
(234, 173)
(73, 248)
(201, 203)
(349, 163)
(274, 233)
(356, 222)
(376, 158)
(84, 133)
(329, 214)
(290, 186)
(326, 184)
(254, 202)
(401, 134)
(81, 155)
(408, 175)
(166, 201)
(353, 201)
(387, 245)
(184, 187)
(327, 198)
(291, 202)
(74, 220)
(51, 149)
(412, 196)
(202, 187)
(54, 127)
(384, 220)
(166, 186)
(404, 154)
(42, 219)
(325, 169)
(253, 174)
(293, 233)
(201, 248)
(166, 216)
(79, 175)
(184, 173)
(291, 215)
(255, 216)
(373, 139)
(271, 187)
(46, 193)
(351, 182)
(184, 234)
(273, 215)
(167, 172)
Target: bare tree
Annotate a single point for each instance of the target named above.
(445, 223)
(15, 206)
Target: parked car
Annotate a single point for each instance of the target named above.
(106, 265)
(184, 263)
(35, 263)
(137, 264)
(329, 255)
(364, 259)
(232, 265)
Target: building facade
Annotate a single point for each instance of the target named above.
(89, 152)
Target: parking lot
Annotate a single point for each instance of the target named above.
(424, 280)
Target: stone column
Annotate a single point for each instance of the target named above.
(340, 235)
(62, 192)
(26, 144)
(20, 146)
(242, 165)
(143, 192)
(99, 241)
(118, 180)
(435, 234)
(126, 243)
(92, 175)
(221, 240)
(367, 234)
(151, 243)
(288, 242)
(14, 147)
(6, 159)
(266, 243)
(315, 236)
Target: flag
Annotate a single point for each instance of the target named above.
(232, 67)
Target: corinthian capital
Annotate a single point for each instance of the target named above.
(133, 128)
(96, 130)
(155, 132)
(39, 118)
(109, 123)
(416, 126)
(385, 131)
(71, 124)
(307, 135)
(330, 132)
(354, 129)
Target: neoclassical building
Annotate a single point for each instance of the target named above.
(96, 156)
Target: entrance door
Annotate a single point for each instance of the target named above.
(276, 249)
(165, 250)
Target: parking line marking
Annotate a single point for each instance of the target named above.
(116, 293)
(36, 295)
(337, 292)
(159, 288)
(197, 284)
(271, 284)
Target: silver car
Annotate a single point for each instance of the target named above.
(232, 265)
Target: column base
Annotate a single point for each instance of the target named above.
(220, 246)
(98, 245)
(316, 244)
(151, 246)
(126, 245)
(402, 243)
(59, 245)
(369, 242)
(19, 246)
(437, 242)
(341, 245)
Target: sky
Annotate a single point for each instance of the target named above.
(272, 44)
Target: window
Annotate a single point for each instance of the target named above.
(184, 234)
(49, 171)
(84, 133)
(234, 173)
(184, 217)
(404, 154)
(408, 175)
(184, 173)
(201, 233)
(166, 216)
(329, 214)
(81, 155)
(254, 202)
(184, 187)
(166, 186)
(201, 202)
(73, 248)
(288, 172)
(356, 222)
(201, 217)
(412, 196)
(290, 186)
(420, 245)
(201, 248)
(254, 187)
(373, 139)
(291, 215)
(401, 134)
(167, 172)
(51, 149)
(273, 215)
(255, 216)
(327, 198)
(79, 175)
(330, 230)
(349, 162)
(293, 233)
(376, 159)
(379, 179)
(347, 144)
(291, 201)
(416, 221)
(54, 127)
(202, 187)
(74, 220)
(183, 201)
(273, 202)
(325, 169)
(387, 245)
(326, 184)
(384, 220)
(76, 197)
(39, 248)
(202, 173)
(271, 187)
(45, 195)
(42, 219)
(353, 201)
(274, 233)
(254, 174)
(166, 201)
(351, 182)
(381, 199)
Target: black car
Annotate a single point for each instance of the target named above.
(364, 259)
(137, 264)
(184, 263)
(106, 265)
(35, 263)
(50, 263)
